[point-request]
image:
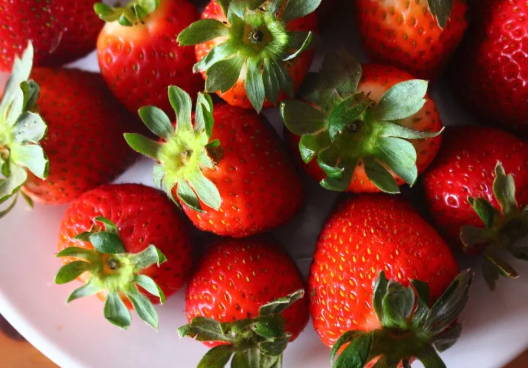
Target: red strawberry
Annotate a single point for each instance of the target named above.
(112, 237)
(139, 56)
(363, 129)
(367, 236)
(61, 30)
(465, 189)
(255, 54)
(493, 69)
(418, 36)
(248, 289)
(232, 178)
(77, 134)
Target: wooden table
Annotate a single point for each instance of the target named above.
(15, 352)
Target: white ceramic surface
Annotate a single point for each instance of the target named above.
(76, 335)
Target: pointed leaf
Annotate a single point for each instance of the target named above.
(29, 127)
(108, 225)
(8, 209)
(345, 115)
(270, 78)
(472, 236)
(397, 305)
(281, 304)
(441, 10)
(150, 285)
(504, 268)
(116, 312)
(201, 31)
(32, 157)
(342, 341)
(380, 176)
(75, 252)
(400, 156)
(399, 131)
(304, 45)
(401, 101)
(356, 353)
(182, 105)
(9, 186)
(301, 118)
(20, 73)
(188, 196)
(216, 357)
(143, 307)
(380, 290)
(299, 8)
(156, 120)
(484, 210)
(203, 329)
(143, 145)
(220, 52)
(108, 243)
(448, 338)
(224, 74)
(274, 347)
(504, 189)
(204, 118)
(430, 358)
(71, 271)
(31, 91)
(86, 290)
(206, 191)
(148, 257)
(254, 84)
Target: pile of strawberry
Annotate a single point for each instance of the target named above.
(384, 287)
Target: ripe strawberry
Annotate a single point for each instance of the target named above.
(395, 323)
(252, 52)
(111, 238)
(466, 190)
(493, 72)
(61, 30)
(363, 129)
(138, 54)
(227, 170)
(418, 36)
(78, 147)
(231, 303)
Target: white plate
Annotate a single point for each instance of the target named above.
(76, 335)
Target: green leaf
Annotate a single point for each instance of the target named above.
(186, 195)
(204, 118)
(380, 289)
(504, 189)
(397, 305)
(448, 338)
(156, 120)
(108, 243)
(116, 312)
(308, 147)
(11, 205)
(401, 100)
(380, 176)
(108, 225)
(223, 75)
(149, 256)
(254, 84)
(203, 329)
(307, 38)
(75, 252)
(345, 115)
(399, 131)
(299, 8)
(430, 358)
(220, 52)
(202, 31)
(241, 360)
(281, 304)
(71, 271)
(356, 353)
(301, 118)
(86, 290)
(9, 186)
(271, 80)
(20, 72)
(486, 212)
(275, 347)
(206, 191)
(343, 339)
(216, 357)
(400, 156)
(29, 127)
(150, 285)
(31, 91)
(504, 268)
(143, 145)
(339, 183)
(441, 9)
(181, 103)
(490, 273)
(32, 157)
(269, 328)
(472, 236)
(143, 307)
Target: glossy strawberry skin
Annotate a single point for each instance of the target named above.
(364, 236)
(61, 30)
(405, 34)
(143, 216)
(236, 277)
(259, 186)
(375, 81)
(465, 168)
(84, 142)
(297, 69)
(493, 70)
(140, 62)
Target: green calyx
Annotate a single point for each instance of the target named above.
(257, 343)
(502, 230)
(341, 127)
(441, 10)
(410, 328)
(183, 151)
(255, 47)
(21, 131)
(113, 272)
(129, 15)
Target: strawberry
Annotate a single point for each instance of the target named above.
(227, 170)
(418, 36)
(114, 238)
(231, 303)
(252, 53)
(470, 195)
(365, 242)
(138, 53)
(61, 30)
(492, 73)
(363, 129)
(74, 144)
